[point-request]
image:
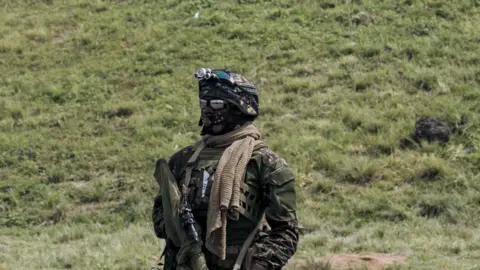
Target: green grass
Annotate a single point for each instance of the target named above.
(93, 92)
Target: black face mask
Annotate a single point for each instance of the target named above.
(221, 121)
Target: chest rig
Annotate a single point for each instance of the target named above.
(199, 177)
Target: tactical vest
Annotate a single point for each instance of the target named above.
(200, 170)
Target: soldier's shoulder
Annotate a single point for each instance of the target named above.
(187, 151)
(178, 160)
(271, 158)
(274, 167)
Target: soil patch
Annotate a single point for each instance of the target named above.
(372, 261)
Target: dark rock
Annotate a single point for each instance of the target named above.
(432, 129)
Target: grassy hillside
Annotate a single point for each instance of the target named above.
(92, 92)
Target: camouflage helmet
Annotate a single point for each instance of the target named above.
(228, 86)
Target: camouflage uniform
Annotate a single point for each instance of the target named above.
(270, 175)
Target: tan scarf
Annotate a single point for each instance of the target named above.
(225, 192)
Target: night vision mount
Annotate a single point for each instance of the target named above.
(203, 74)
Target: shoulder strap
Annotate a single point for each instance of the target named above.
(191, 163)
(247, 243)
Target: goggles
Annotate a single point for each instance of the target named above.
(206, 74)
(215, 104)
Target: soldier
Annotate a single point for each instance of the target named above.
(227, 201)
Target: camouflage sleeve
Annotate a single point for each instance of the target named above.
(175, 164)
(278, 246)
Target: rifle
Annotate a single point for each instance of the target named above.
(179, 220)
